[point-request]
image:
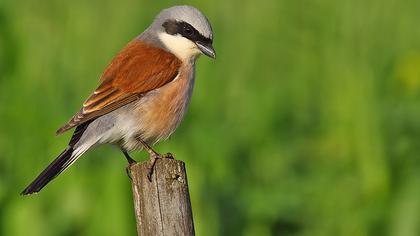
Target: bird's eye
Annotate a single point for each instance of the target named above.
(188, 31)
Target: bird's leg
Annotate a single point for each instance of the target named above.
(131, 162)
(129, 159)
(153, 157)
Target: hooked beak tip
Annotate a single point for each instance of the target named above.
(207, 49)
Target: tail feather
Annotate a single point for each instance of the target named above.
(62, 162)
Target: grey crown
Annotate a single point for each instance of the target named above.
(188, 14)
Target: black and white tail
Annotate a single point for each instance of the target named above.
(62, 162)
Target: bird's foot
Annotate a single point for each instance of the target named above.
(168, 155)
(130, 161)
(154, 156)
(128, 170)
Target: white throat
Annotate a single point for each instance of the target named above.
(181, 47)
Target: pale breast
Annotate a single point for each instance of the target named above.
(158, 114)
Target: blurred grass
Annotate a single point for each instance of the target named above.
(306, 124)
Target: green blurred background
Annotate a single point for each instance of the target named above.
(308, 122)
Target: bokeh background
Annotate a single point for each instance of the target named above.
(308, 122)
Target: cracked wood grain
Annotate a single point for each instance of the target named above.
(162, 206)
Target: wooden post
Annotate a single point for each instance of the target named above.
(162, 206)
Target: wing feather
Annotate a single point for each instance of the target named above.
(136, 70)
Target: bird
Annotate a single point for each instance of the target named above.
(143, 93)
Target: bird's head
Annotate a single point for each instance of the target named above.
(185, 32)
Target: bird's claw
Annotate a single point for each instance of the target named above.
(153, 158)
(128, 170)
(168, 155)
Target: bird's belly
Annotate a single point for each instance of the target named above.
(156, 115)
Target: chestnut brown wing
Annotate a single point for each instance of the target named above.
(136, 70)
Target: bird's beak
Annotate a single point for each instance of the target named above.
(207, 49)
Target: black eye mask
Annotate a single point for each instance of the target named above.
(173, 27)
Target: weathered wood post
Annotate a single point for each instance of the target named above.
(162, 206)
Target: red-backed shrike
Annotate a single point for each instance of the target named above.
(143, 93)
